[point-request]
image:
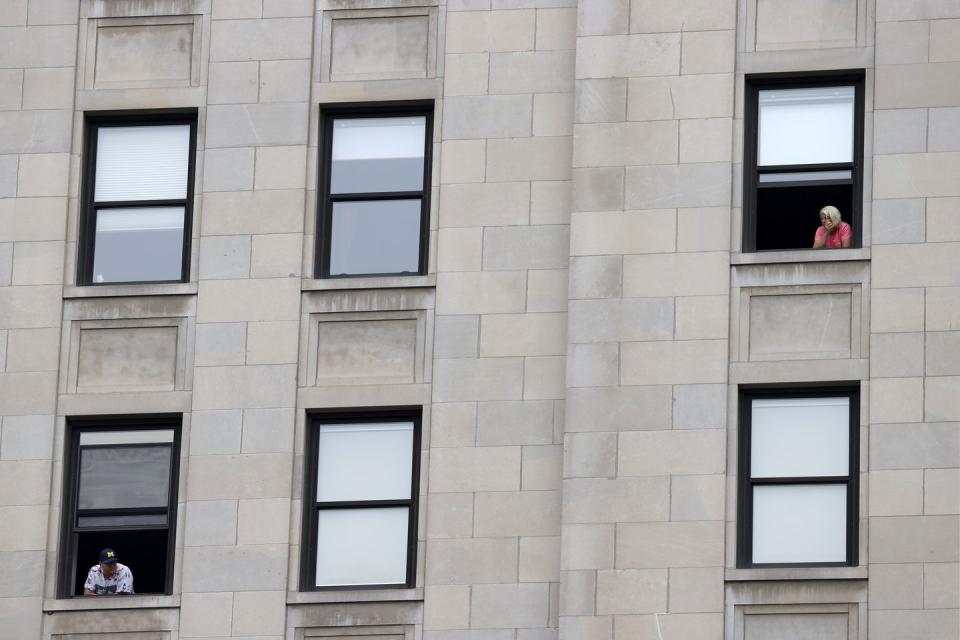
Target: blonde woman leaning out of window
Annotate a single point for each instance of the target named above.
(833, 232)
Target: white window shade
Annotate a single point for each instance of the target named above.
(805, 126)
(142, 163)
(366, 138)
(366, 461)
(799, 523)
(799, 437)
(139, 219)
(362, 546)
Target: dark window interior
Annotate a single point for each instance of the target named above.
(144, 552)
(787, 217)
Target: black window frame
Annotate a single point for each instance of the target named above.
(86, 245)
(308, 547)
(745, 482)
(69, 530)
(393, 109)
(753, 84)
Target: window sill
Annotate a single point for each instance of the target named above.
(796, 573)
(355, 595)
(104, 603)
(131, 290)
(377, 282)
(800, 255)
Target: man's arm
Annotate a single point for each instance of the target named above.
(125, 584)
(87, 592)
(90, 584)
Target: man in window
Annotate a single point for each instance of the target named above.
(108, 577)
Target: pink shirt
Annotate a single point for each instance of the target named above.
(835, 239)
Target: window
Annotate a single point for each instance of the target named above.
(798, 477)
(375, 190)
(360, 500)
(120, 491)
(138, 198)
(803, 150)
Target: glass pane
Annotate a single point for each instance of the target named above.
(800, 523)
(381, 236)
(362, 546)
(805, 176)
(142, 163)
(372, 155)
(139, 436)
(138, 244)
(153, 519)
(805, 126)
(364, 461)
(123, 477)
(795, 437)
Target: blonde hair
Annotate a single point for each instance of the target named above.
(832, 212)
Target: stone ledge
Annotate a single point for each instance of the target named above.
(795, 573)
(130, 290)
(105, 603)
(355, 595)
(800, 255)
(376, 282)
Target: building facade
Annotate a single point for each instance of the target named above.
(480, 319)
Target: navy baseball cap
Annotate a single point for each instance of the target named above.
(108, 555)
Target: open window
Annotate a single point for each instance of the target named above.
(798, 487)
(803, 150)
(360, 500)
(374, 209)
(137, 198)
(120, 491)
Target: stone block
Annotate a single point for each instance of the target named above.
(800, 326)
(914, 539)
(264, 521)
(942, 353)
(43, 175)
(601, 100)
(110, 359)
(471, 561)
(515, 423)
(519, 513)
(8, 171)
(898, 221)
(37, 263)
(213, 432)
(598, 189)
(284, 80)
(593, 365)
(259, 613)
(466, 74)
(34, 131)
(247, 568)
(264, 39)
(553, 114)
(943, 132)
(39, 46)
(914, 446)
(547, 290)
(24, 482)
(32, 219)
(940, 398)
(586, 547)
(650, 545)
(699, 406)
(687, 96)
(541, 467)
(627, 232)
(249, 300)
(210, 523)
(706, 140)
(280, 168)
(474, 205)
(654, 453)
(16, 579)
(944, 35)
(494, 606)
(26, 438)
(539, 158)
(702, 317)
(895, 625)
(681, 362)
(578, 595)
(782, 24)
(942, 309)
(267, 430)
(941, 491)
(506, 116)
(594, 277)
(366, 351)
(469, 32)
(597, 18)
(556, 29)
(27, 393)
(529, 334)
(475, 469)
(900, 131)
(707, 52)
(896, 586)
(896, 493)
(902, 42)
(236, 9)
(254, 387)
(544, 378)
(539, 559)
(941, 586)
(233, 82)
(696, 590)
(246, 125)
(903, 86)
(626, 143)
(456, 336)
(276, 255)
(462, 160)
(896, 400)
(630, 591)
(697, 497)
(691, 15)
(228, 169)
(533, 247)
(242, 212)
(451, 515)
(482, 292)
(667, 186)
(621, 319)
(601, 500)
(618, 408)
(14, 13)
(943, 221)
(243, 477)
(705, 229)
(590, 455)
(224, 257)
(531, 72)
(453, 424)
(898, 309)
(446, 607)
(25, 528)
(620, 56)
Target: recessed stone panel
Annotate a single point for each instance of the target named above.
(797, 626)
(114, 358)
(374, 351)
(788, 24)
(800, 326)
